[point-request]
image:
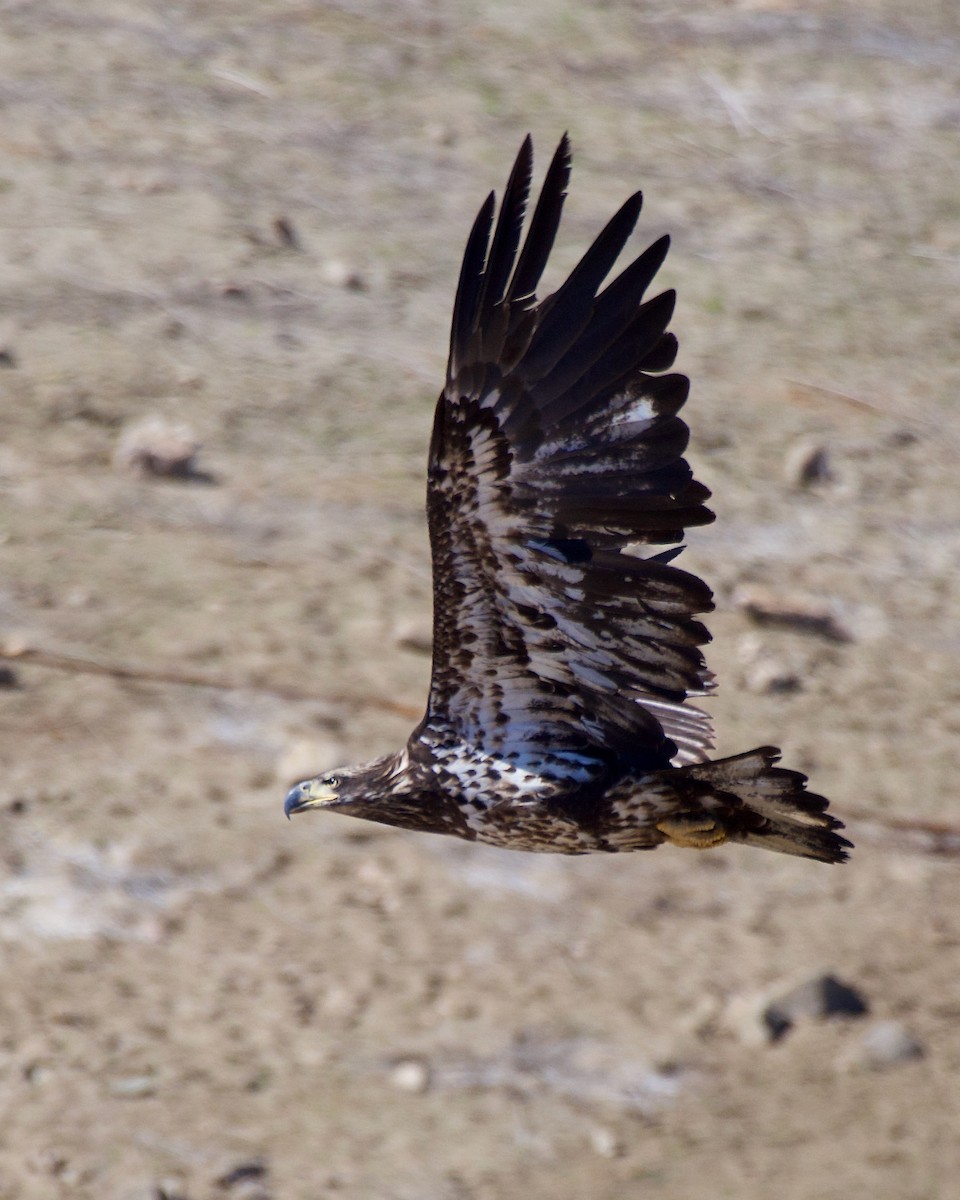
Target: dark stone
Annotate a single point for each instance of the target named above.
(816, 999)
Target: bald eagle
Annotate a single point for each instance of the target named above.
(564, 655)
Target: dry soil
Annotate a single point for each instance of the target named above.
(246, 218)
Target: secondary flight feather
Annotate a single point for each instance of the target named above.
(565, 649)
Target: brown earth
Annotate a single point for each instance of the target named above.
(247, 217)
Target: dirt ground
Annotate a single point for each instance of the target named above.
(247, 218)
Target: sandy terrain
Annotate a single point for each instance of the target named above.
(247, 218)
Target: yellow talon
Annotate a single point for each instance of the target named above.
(692, 832)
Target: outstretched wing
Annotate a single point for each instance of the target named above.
(556, 449)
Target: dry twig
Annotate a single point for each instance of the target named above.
(74, 665)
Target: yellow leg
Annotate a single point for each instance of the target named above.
(692, 831)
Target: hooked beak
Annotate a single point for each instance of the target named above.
(309, 794)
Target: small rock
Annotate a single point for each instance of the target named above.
(411, 1075)
(167, 1189)
(342, 1002)
(767, 674)
(47, 1162)
(771, 679)
(415, 635)
(439, 134)
(8, 677)
(80, 597)
(808, 614)
(16, 645)
(887, 1044)
(254, 1168)
(807, 463)
(745, 1016)
(816, 999)
(285, 233)
(134, 1087)
(342, 275)
(604, 1141)
(158, 447)
(7, 357)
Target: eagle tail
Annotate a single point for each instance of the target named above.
(755, 802)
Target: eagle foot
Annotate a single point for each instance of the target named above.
(692, 831)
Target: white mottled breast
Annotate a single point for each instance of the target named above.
(501, 795)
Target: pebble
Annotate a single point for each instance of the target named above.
(887, 1044)
(167, 1189)
(159, 447)
(285, 233)
(242, 1172)
(771, 678)
(342, 1002)
(16, 645)
(605, 1143)
(411, 1075)
(415, 635)
(440, 134)
(807, 463)
(343, 275)
(134, 1087)
(745, 1017)
(764, 672)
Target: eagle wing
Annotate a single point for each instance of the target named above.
(556, 452)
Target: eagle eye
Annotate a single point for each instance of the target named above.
(331, 781)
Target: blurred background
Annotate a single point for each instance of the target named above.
(230, 237)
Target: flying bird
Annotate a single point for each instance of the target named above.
(565, 651)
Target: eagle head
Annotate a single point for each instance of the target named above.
(320, 792)
(358, 791)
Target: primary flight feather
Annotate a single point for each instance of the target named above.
(564, 656)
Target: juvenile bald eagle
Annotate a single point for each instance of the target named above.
(563, 657)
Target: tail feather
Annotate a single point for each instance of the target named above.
(760, 804)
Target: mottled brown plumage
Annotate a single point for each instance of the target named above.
(564, 655)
